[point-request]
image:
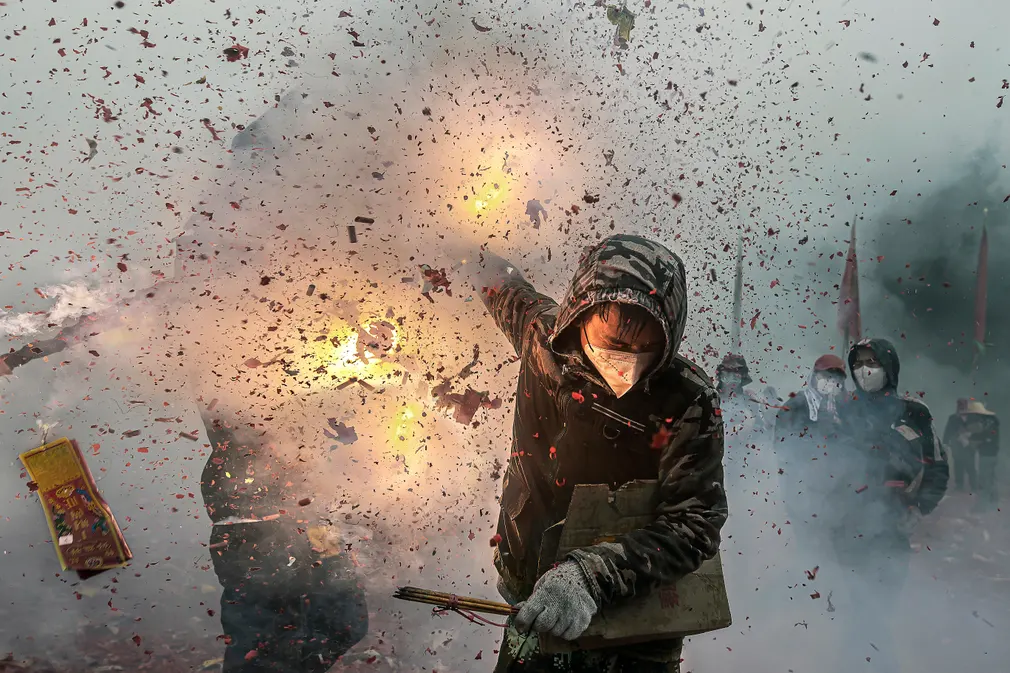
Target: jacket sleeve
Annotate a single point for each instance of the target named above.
(786, 418)
(691, 513)
(936, 470)
(510, 299)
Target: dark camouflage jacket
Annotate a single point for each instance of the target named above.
(569, 428)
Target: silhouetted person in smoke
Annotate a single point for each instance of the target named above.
(604, 398)
(806, 433)
(286, 607)
(893, 472)
(957, 439)
(973, 433)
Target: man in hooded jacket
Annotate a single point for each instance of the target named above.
(603, 398)
(806, 432)
(893, 473)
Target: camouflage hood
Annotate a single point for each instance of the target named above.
(633, 270)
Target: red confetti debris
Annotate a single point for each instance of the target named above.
(137, 640)
(496, 540)
(554, 453)
(845, 22)
(815, 595)
(862, 488)
(1007, 198)
(251, 654)
(33, 486)
(894, 192)
(773, 283)
(936, 22)
(121, 267)
(578, 397)
(812, 574)
(236, 52)
(479, 654)
(999, 103)
(235, 205)
(305, 501)
(660, 439)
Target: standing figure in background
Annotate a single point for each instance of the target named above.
(893, 472)
(289, 603)
(806, 432)
(957, 440)
(973, 433)
(603, 398)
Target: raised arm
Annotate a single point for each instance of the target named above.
(510, 299)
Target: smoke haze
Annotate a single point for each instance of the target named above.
(430, 128)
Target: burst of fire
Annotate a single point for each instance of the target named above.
(363, 353)
(487, 194)
(406, 422)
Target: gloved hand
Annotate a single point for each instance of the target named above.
(910, 520)
(560, 605)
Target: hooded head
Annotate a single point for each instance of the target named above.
(732, 373)
(627, 269)
(828, 376)
(874, 366)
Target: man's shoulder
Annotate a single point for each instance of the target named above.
(690, 379)
(915, 409)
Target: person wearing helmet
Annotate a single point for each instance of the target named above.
(973, 435)
(805, 429)
(603, 398)
(892, 472)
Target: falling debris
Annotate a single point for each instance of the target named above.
(85, 534)
(364, 220)
(344, 434)
(93, 150)
(625, 22)
(480, 28)
(434, 281)
(352, 234)
(311, 290)
(236, 52)
(866, 56)
(464, 406)
(534, 210)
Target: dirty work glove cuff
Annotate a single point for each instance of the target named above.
(560, 605)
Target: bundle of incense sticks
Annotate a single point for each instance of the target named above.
(445, 601)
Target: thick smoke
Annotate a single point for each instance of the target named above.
(432, 130)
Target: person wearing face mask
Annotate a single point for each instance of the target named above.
(603, 398)
(806, 429)
(892, 471)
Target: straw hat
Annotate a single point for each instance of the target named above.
(976, 407)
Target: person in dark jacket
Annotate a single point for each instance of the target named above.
(603, 398)
(287, 605)
(893, 473)
(806, 432)
(957, 440)
(973, 433)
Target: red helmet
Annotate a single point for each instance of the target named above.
(827, 363)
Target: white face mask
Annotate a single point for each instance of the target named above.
(731, 380)
(620, 370)
(828, 385)
(870, 379)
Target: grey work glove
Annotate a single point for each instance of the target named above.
(560, 605)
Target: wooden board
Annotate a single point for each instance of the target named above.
(696, 604)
